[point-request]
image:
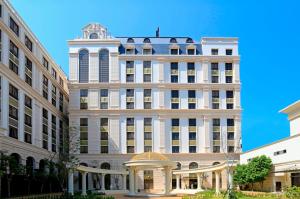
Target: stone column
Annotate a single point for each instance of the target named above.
(102, 182)
(207, 134)
(83, 183)
(71, 183)
(230, 179)
(167, 180)
(217, 173)
(205, 71)
(124, 181)
(177, 181)
(199, 181)
(131, 181)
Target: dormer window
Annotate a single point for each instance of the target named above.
(130, 40)
(130, 51)
(173, 41)
(189, 40)
(174, 51)
(191, 49)
(214, 51)
(147, 51)
(94, 36)
(147, 40)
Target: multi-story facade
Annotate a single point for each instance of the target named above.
(170, 95)
(33, 93)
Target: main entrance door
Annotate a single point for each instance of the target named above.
(295, 179)
(148, 179)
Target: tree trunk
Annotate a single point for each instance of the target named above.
(252, 186)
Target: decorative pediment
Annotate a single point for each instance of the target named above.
(95, 31)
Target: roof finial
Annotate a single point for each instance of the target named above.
(157, 32)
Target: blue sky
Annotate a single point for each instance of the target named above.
(268, 32)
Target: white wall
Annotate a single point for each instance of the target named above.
(295, 126)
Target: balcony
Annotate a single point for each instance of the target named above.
(104, 99)
(130, 128)
(148, 142)
(230, 128)
(104, 142)
(104, 128)
(28, 111)
(191, 72)
(147, 128)
(216, 143)
(192, 100)
(129, 71)
(192, 128)
(147, 71)
(230, 143)
(14, 59)
(215, 72)
(228, 72)
(175, 100)
(13, 101)
(129, 99)
(28, 72)
(215, 100)
(192, 143)
(175, 142)
(229, 100)
(175, 128)
(216, 128)
(130, 142)
(174, 72)
(147, 99)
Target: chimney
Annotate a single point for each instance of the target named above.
(157, 32)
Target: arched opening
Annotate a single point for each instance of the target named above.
(80, 178)
(94, 36)
(178, 167)
(214, 176)
(83, 66)
(106, 165)
(147, 40)
(104, 65)
(130, 40)
(30, 165)
(193, 176)
(15, 177)
(173, 40)
(189, 40)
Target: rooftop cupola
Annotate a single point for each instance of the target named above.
(95, 31)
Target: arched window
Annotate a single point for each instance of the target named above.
(94, 36)
(178, 166)
(105, 165)
(173, 40)
(83, 66)
(104, 65)
(16, 157)
(193, 165)
(147, 40)
(30, 165)
(189, 40)
(216, 163)
(130, 40)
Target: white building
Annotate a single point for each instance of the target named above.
(33, 93)
(169, 95)
(284, 154)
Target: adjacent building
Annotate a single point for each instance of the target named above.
(170, 95)
(33, 93)
(284, 154)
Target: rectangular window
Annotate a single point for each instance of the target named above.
(61, 82)
(216, 135)
(228, 51)
(61, 102)
(147, 99)
(62, 140)
(28, 71)
(214, 72)
(45, 87)
(191, 72)
(228, 72)
(192, 135)
(147, 51)
(214, 51)
(54, 73)
(230, 135)
(174, 72)
(45, 63)
(84, 99)
(174, 99)
(129, 71)
(147, 71)
(28, 120)
(13, 92)
(83, 135)
(13, 111)
(104, 135)
(130, 51)
(14, 26)
(0, 99)
(280, 152)
(130, 129)
(129, 98)
(0, 45)
(104, 99)
(175, 135)
(28, 43)
(53, 133)
(215, 94)
(13, 57)
(147, 134)
(229, 99)
(192, 99)
(45, 129)
(53, 95)
(174, 51)
(191, 51)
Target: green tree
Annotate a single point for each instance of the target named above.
(240, 175)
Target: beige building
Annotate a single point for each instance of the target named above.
(284, 154)
(33, 93)
(170, 95)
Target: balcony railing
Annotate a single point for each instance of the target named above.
(175, 142)
(228, 72)
(130, 128)
(215, 100)
(230, 142)
(147, 99)
(129, 71)
(216, 128)
(174, 72)
(104, 142)
(130, 142)
(191, 72)
(216, 142)
(148, 142)
(175, 100)
(13, 58)
(230, 128)
(147, 128)
(129, 99)
(215, 72)
(104, 128)
(192, 128)
(175, 128)
(192, 143)
(192, 100)
(147, 70)
(104, 99)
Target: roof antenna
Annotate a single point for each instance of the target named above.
(157, 32)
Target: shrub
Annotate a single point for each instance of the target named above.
(292, 192)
